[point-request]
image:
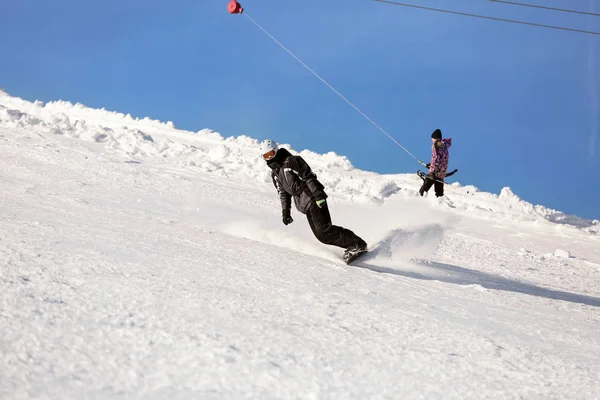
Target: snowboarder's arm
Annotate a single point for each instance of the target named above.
(284, 197)
(286, 201)
(304, 172)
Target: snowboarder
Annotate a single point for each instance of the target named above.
(293, 178)
(438, 166)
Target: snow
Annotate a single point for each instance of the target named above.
(142, 261)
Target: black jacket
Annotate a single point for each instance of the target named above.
(293, 177)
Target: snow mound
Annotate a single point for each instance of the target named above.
(523, 207)
(562, 253)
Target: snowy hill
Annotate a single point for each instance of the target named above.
(142, 261)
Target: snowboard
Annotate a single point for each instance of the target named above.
(424, 176)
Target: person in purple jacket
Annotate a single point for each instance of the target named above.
(438, 166)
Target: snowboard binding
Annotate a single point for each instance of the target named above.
(353, 253)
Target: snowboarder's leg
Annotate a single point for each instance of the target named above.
(319, 220)
(439, 189)
(426, 186)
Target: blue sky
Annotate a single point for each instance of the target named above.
(521, 103)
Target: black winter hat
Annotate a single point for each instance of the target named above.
(437, 134)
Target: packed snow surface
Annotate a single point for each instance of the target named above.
(142, 261)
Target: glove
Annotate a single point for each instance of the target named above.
(287, 218)
(320, 203)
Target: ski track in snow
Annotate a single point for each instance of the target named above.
(159, 268)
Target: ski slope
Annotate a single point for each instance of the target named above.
(141, 261)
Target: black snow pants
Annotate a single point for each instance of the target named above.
(439, 187)
(319, 220)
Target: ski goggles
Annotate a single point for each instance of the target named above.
(269, 155)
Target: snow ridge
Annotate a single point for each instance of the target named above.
(208, 151)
